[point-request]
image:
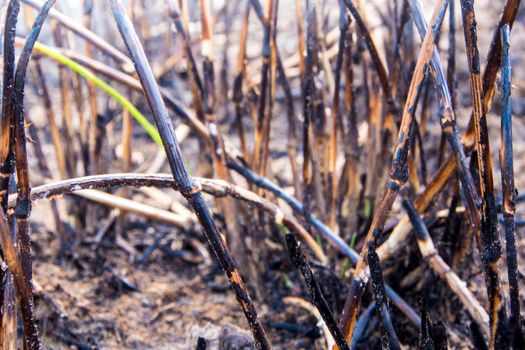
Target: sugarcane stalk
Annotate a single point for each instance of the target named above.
(181, 175)
(23, 205)
(491, 245)
(398, 174)
(238, 80)
(402, 230)
(334, 239)
(7, 125)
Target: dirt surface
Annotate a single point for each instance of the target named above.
(110, 297)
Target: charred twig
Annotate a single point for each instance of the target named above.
(51, 119)
(478, 340)
(151, 248)
(180, 174)
(301, 263)
(267, 89)
(389, 338)
(425, 340)
(308, 91)
(237, 96)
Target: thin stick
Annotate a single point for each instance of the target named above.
(181, 175)
(308, 92)
(218, 151)
(301, 47)
(130, 206)
(507, 178)
(491, 246)
(451, 60)
(181, 24)
(301, 263)
(349, 180)
(398, 174)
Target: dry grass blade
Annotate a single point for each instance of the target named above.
(129, 206)
(86, 34)
(180, 174)
(398, 174)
